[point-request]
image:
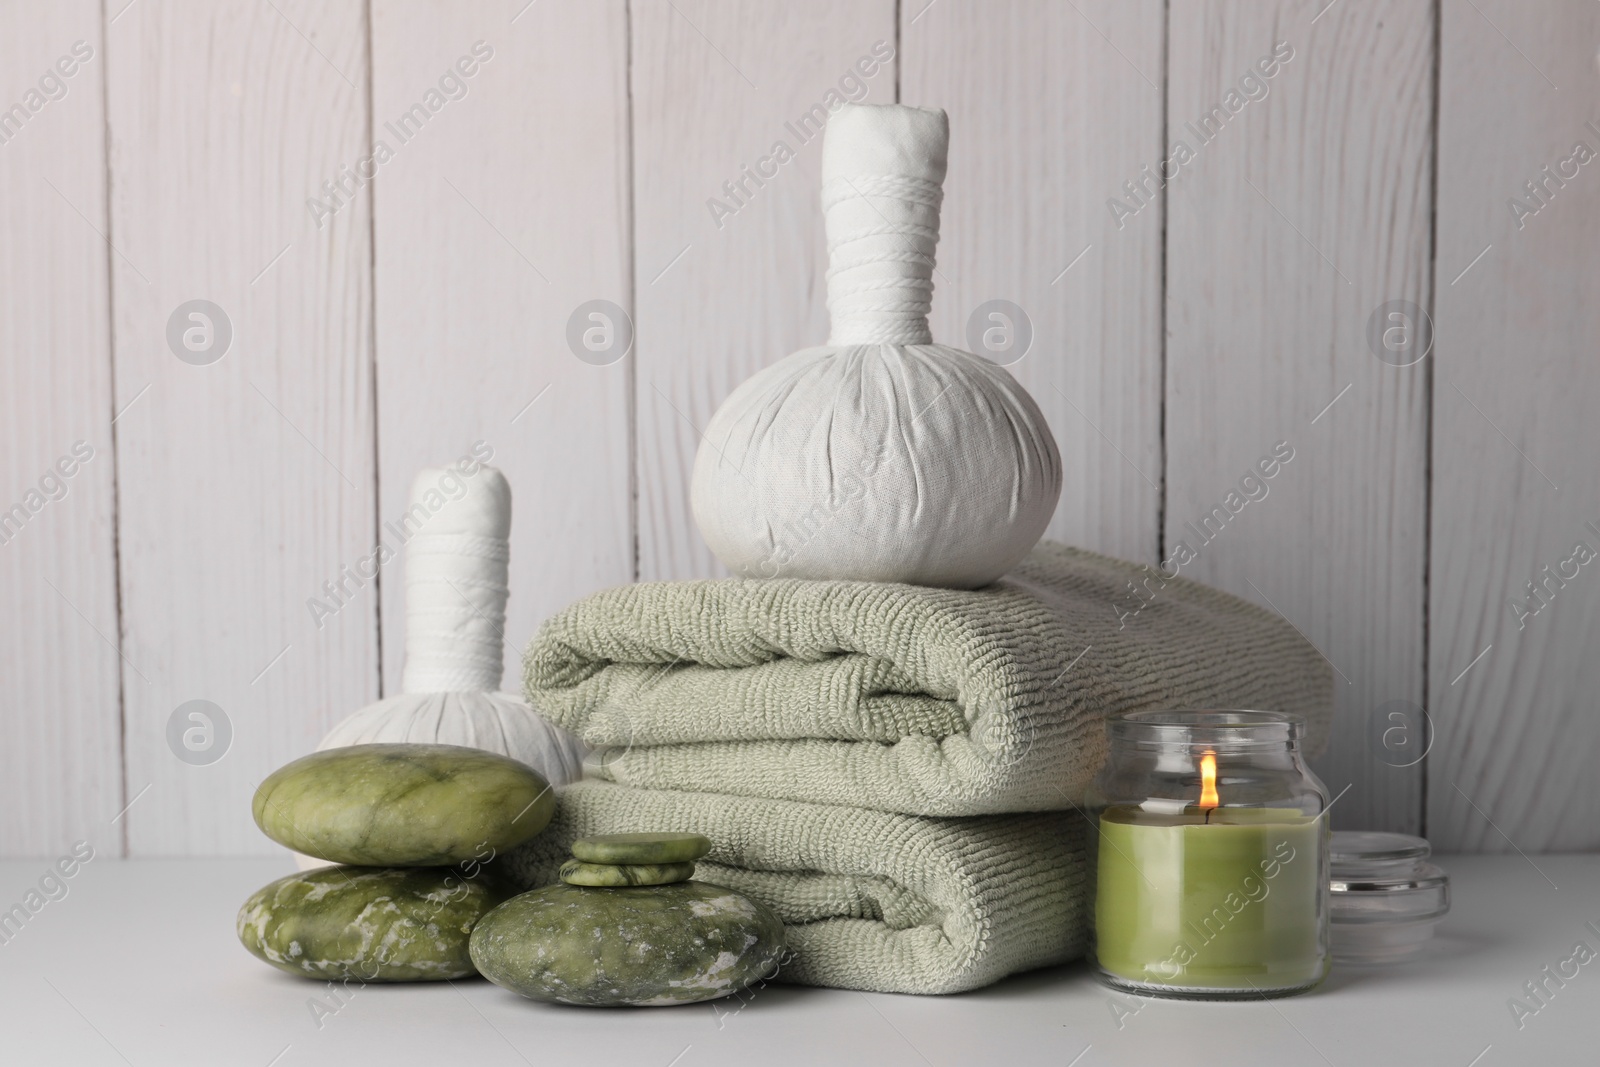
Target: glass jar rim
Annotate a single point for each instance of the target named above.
(1220, 728)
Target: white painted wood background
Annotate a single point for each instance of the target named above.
(1173, 347)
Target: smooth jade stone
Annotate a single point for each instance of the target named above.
(577, 872)
(1233, 904)
(402, 805)
(641, 848)
(372, 924)
(670, 944)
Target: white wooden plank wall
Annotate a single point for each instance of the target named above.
(245, 483)
(484, 251)
(1298, 216)
(1515, 489)
(61, 765)
(568, 152)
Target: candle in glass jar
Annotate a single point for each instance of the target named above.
(1210, 885)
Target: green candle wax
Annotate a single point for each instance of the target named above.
(1232, 903)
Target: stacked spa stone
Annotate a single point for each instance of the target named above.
(613, 860)
(412, 829)
(627, 926)
(415, 896)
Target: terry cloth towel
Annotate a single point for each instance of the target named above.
(906, 698)
(869, 900)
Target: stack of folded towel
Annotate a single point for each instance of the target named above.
(895, 770)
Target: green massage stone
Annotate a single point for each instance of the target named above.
(371, 924)
(403, 805)
(641, 848)
(669, 944)
(577, 872)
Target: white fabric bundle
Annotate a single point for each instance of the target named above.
(456, 571)
(880, 456)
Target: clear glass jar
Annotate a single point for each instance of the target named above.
(1211, 858)
(1386, 897)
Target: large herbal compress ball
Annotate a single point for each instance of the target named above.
(913, 463)
(880, 456)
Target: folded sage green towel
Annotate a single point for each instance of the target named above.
(869, 899)
(901, 697)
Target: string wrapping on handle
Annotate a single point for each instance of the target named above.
(883, 170)
(456, 581)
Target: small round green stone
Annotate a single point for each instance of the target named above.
(641, 848)
(614, 875)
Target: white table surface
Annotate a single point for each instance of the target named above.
(138, 964)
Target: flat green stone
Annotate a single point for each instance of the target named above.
(577, 872)
(641, 848)
(402, 805)
(397, 924)
(669, 944)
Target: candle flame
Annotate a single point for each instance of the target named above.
(1208, 780)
